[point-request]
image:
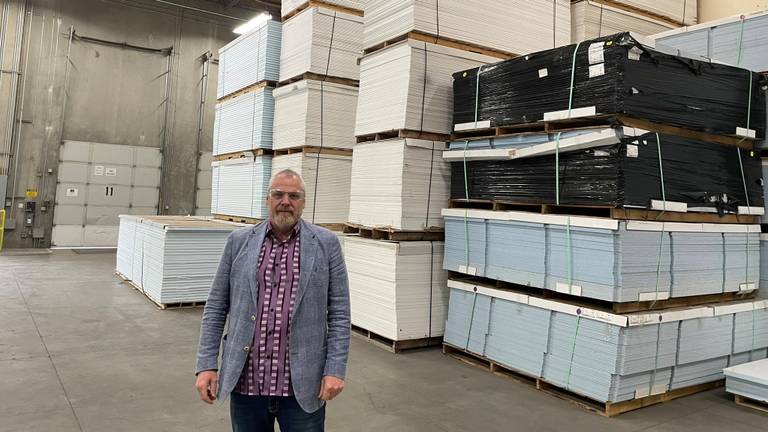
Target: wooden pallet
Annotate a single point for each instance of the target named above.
(604, 120)
(751, 403)
(319, 77)
(611, 307)
(606, 409)
(395, 346)
(160, 305)
(242, 154)
(402, 133)
(238, 219)
(322, 4)
(604, 212)
(314, 149)
(250, 88)
(442, 41)
(385, 233)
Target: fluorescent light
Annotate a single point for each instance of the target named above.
(252, 24)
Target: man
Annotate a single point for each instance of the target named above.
(284, 285)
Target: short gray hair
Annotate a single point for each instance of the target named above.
(291, 173)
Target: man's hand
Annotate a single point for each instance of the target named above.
(207, 385)
(330, 387)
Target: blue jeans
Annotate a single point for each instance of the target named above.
(258, 414)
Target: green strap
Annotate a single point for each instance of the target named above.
(573, 76)
(573, 350)
(557, 168)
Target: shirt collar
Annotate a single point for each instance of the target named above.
(295, 231)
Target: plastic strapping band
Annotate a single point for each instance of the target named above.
(471, 321)
(754, 324)
(557, 168)
(749, 101)
(741, 40)
(663, 209)
(573, 76)
(656, 359)
(477, 92)
(746, 197)
(466, 196)
(569, 246)
(573, 350)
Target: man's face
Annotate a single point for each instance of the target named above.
(285, 201)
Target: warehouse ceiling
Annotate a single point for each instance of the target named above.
(256, 5)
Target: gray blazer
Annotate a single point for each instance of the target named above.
(319, 327)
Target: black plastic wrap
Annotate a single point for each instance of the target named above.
(637, 82)
(627, 174)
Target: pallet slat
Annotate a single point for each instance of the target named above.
(383, 233)
(395, 346)
(751, 403)
(160, 305)
(402, 134)
(606, 409)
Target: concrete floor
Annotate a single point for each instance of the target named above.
(80, 351)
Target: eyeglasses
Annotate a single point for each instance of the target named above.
(278, 194)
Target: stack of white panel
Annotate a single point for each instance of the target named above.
(203, 195)
(309, 109)
(288, 6)
(399, 183)
(514, 26)
(173, 259)
(393, 93)
(239, 186)
(327, 180)
(397, 289)
(244, 122)
(590, 19)
(748, 380)
(314, 35)
(252, 57)
(680, 11)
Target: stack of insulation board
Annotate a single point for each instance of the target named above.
(681, 12)
(316, 102)
(591, 19)
(605, 259)
(606, 357)
(397, 289)
(288, 7)
(400, 183)
(251, 58)
(512, 26)
(243, 126)
(315, 113)
(738, 40)
(749, 380)
(239, 186)
(326, 175)
(172, 259)
(322, 41)
(244, 122)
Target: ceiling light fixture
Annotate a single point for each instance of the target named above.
(252, 24)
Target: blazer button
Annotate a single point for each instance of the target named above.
(246, 349)
(253, 317)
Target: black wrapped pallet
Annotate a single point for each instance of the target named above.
(613, 75)
(628, 175)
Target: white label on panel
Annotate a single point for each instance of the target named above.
(543, 72)
(634, 53)
(98, 170)
(71, 192)
(111, 171)
(632, 151)
(597, 70)
(596, 53)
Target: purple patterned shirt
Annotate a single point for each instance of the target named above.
(267, 370)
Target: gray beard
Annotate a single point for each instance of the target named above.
(284, 221)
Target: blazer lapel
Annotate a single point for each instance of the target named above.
(252, 250)
(308, 251)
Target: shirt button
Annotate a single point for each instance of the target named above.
(253, 317)
(246, 349)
